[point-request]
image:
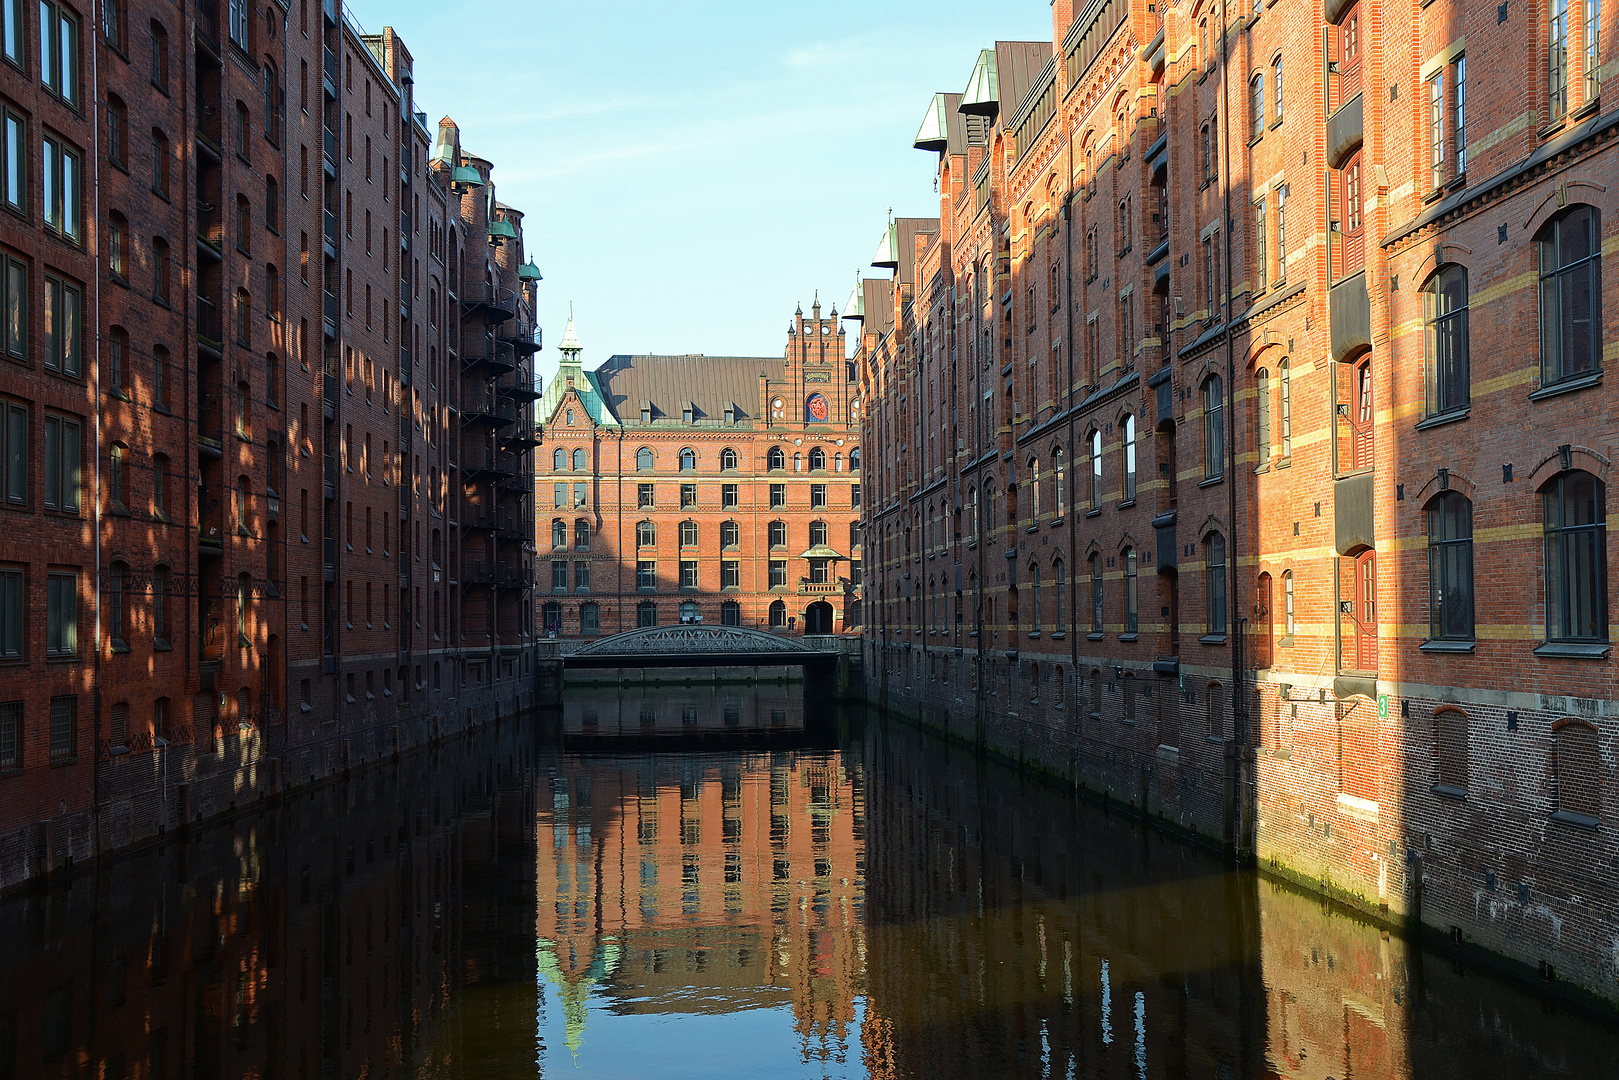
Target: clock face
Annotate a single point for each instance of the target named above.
(776, 404)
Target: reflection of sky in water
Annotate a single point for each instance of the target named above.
(585, 1032)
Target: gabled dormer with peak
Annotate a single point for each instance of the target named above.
(573, 399)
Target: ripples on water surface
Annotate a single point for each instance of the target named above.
(712, 890)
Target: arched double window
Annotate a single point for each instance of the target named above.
(688, 460)
(776, 459)
(559, 533)
(1445, 301)
(727, 460)
(1576, 559)
(559, 459)
(580, 460)
(1450, 568)
(646, 534)
(644, 461)
(1570, 295)
(817, 459)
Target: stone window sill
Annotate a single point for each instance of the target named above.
(1567, 386)
(1211, 481)
(1212, 639)
(1441, 419)
(1579, 821)
(1449, 791)
(1094, 636)
(1568, 650)
(1132, 636)
(1447, 646)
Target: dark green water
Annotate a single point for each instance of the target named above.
(714, 883)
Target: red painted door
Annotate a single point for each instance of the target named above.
(1365, 613)
(1360, 416)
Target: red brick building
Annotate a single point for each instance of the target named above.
(679, 488)
(247, 292)
(1236, 525)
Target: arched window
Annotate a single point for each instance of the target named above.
(581, 535)
(646, 613)
(244, 410)
(1059, 591)
(1098, 614)
(730, 534)
(118, 476)
(689, 612)
(160, 163)
(244, 317)
(1132, 608)
(1214, 585)
(1576, 559)
(117, 245)
(1445, 300)
(1262, 407)
(1033, 486)
(1034, 596)
(778, 615)
(1450, 568)
(972, 513)
(1096, 469)
(1127, 431)
(817, 534)
(1213, 428)
(117, 597)
(1450, 751)
(1256, 106)
(646, 534)
(1570, 295)
(559, 459)
(776, 460)
(727, 460)
(559, 533)
(643, 459)
(817, 459)
(688, 460)
(1288, 624)
(1059, 482)
(730, 613)
(244, 601)
(854, 459)
(1276, 89)
(688, 534)
(798, 462)
(1285, 409)
(160, 605)
(1578, 768)
(581, 460)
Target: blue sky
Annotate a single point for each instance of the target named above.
(690, 172)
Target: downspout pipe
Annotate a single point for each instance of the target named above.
(1238, 697)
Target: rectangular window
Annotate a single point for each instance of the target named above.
(10, 735)
(581, 577)
(62, 444)
(240, 12)
(13, 602)
(778, 534)
(854, 496)
(778, 573)
(1281, 234)
(1557, 57)
(589, 620)
(11, 30)
(644, 497)
(58, 51)
(62, 178)
(559, 576)
(64, 323)
(778, 495)
(688, 495)
(817, 496)
(579, 494)
(728, 495)
(730, 574)
(1459, 113)
(1261, 257)
(62, 615)
(560, 495)
(646, 574)
(14, 447)
(14, 166)
(688, 573)
(1436, 130)
(64, 726)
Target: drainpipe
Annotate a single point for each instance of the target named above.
(95, 515)
(1238, 698)
(1068, 395)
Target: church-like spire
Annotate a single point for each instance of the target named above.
(570, 348)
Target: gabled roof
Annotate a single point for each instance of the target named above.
(589, 393)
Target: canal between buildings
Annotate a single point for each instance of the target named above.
(715, 881)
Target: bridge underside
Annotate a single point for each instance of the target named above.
(580, 661)
(695, 646)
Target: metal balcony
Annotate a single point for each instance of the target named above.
(493, 302)
(495, 411)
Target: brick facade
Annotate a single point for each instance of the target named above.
(719, 488)
(1232, 526)
(235, 364)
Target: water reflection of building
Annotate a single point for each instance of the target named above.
(340, 938)
(706, 884)
(683, 710)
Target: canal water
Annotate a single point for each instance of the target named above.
(723, 882)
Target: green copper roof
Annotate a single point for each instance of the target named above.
(529, 272)
(887, 257)
(856, 306)
(466, 174)
(503, 229)
(585, 385)
(820, 551)
(934, 134)
(983, 94)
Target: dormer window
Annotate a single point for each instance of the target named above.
(730, 414)
(686, 414)
(646, 412)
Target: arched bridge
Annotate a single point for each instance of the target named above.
(690, 645)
